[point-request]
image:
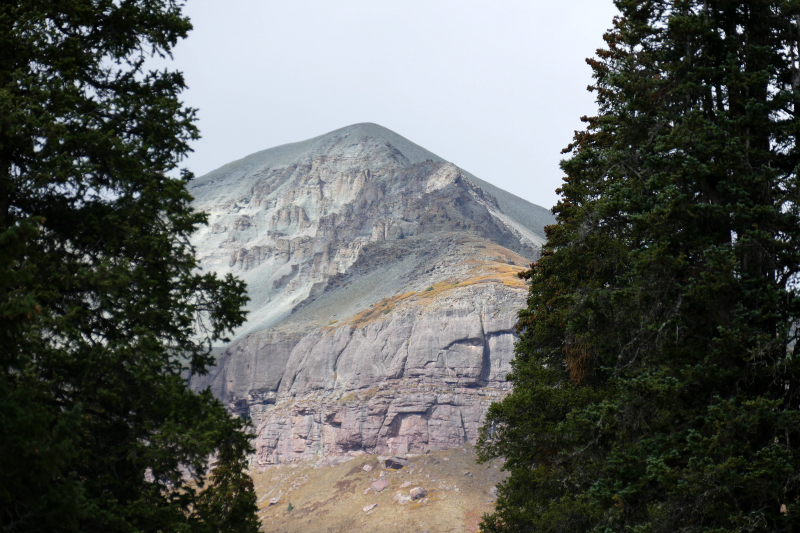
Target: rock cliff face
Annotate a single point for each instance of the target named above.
(384, 293)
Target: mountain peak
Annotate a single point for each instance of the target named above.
(371, 264)
(238, 176)
(369, 130)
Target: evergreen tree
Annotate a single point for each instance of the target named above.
(228, 505)
(655, 382)
(103, 309)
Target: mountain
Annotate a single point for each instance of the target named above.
(383, 293)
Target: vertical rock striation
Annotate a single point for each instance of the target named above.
(384, 293)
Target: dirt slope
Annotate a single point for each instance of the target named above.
(331, 498)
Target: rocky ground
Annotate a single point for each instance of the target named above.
(343, 498)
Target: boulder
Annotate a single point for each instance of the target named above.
(417, 492)
(395, 463)
(379, 485)
(401, 498)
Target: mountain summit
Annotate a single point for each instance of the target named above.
(383, 293)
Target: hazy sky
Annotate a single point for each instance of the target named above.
(496, 87)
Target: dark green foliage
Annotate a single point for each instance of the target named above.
(228, 505)
(655, 385)
(103, 309)
(290, 508)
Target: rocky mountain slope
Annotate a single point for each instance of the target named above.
(384, 293)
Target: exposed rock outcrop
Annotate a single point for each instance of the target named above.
(384, 294)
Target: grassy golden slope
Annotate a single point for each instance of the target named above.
(477, 272)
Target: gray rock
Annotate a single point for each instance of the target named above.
(417, 492)
(379, 485)
(383, 294)
(401, 498)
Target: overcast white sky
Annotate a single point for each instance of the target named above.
(496, 87)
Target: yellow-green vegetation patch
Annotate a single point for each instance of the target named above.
(379, 310)
(359, 395)
(481, 272)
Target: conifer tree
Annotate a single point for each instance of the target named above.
(103, 311)
(228, 504)
(655, 382)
